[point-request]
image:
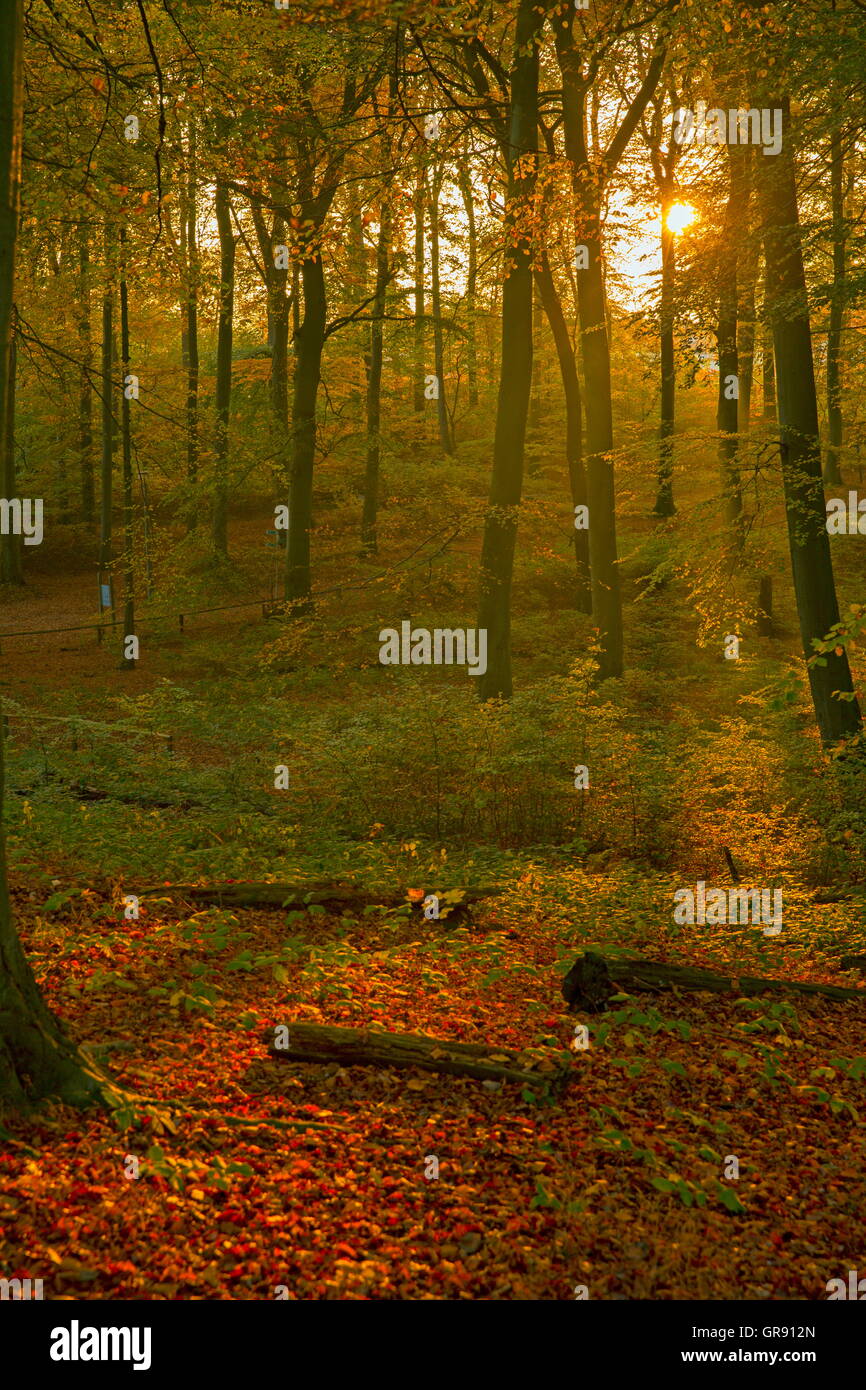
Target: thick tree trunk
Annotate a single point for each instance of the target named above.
(787, 302)
(85, 391)
(832, 472)
(573, 424)
(727, 418)
(228, 245)
(310, 340)
(506, 486)
(438, 339)
(36, 1060)
(419, 201)
(374, 387)
(296, 897)
(356, 1047)
(593, 979)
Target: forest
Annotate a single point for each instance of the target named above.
(432, 766)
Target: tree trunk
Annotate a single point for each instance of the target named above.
(374, 387)
(438, 342)
(126, 441)
(465, 183)
(310, 340)
(356, 1047)
(832, 472)
(85, 391)
(106, 474)
(192, 325)
(747, 275)
(36, 1060)
(726, 334)
(418, 209)
(593, 979)
(506, 486)
(11, 562)
(664, 505)
(573, 424)
(228, 244)
(787, 302)
(768, 361)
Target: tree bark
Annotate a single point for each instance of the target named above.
(126, 442)
(192, 379)
(787, 302)
(727, 417)
(506, 486)
(593, 979)
(664, 505)
(228, 246)
(369, 543)
(356, 1047)
(310, 340)
(36, 1059)
(418, 210)
(445, 438)
(11, 562)
(573, 424)
(107, 465)
(85, 391)
(832, 472)
(465, 185)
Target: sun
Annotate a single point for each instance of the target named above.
(680, 216)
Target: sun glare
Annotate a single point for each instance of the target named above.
(680, 216)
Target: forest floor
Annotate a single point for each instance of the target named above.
(255, 1175)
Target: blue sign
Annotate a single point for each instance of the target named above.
(105, 595)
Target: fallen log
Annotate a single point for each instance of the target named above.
(332, 897)
(359, 1047)
(594, 978)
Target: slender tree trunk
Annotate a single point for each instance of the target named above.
(471, 283)
(310, 339)
(768, 361)
(787, 302)
(747, 275)
(107, 469)
(664, 505)
(36, 1059)
(358, 261)
(506, 486)
(573, 425)
(126, 439)
(374, 387)
(192, 380)
(418, 209)
(438, 339)
(726, 335)
(832, 472)
(228, 247)
(85, 391)
(11, 562)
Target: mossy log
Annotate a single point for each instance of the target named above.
(293, 896)
(594, 978)
(357, 1047)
